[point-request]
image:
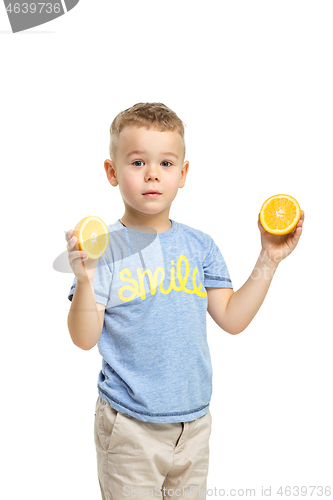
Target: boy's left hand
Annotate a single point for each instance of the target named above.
(277, 247)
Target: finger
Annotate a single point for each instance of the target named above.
(300, 222)
(68, 234)
(77, 255)
(296, 235)
(73, 243)
(72, 256)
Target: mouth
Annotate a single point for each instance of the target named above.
(152, 194)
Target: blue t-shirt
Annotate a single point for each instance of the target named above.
(156, 364)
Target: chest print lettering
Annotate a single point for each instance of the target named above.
(138, 287)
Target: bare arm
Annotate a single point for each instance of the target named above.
(246, 302)
(234, 311)
(85, 318)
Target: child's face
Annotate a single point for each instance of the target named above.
(147, 159)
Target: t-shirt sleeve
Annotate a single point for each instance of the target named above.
(102, 281)
(216, 273)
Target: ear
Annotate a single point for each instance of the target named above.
(110, 172)
(184, 171)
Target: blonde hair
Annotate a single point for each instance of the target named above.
(145, 114)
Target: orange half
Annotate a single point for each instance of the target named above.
(93, 236)
(280, 214)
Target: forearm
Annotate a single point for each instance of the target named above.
(83, 319)
(245, 302)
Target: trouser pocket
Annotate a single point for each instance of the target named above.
(106, 421)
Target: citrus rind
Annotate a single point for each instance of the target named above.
(291, 226)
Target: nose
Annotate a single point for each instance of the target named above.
(152, 173)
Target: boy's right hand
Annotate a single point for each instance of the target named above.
(83, 267)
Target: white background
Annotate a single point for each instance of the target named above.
(252, 80)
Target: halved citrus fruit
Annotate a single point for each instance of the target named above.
(280, 214)
(92, 235)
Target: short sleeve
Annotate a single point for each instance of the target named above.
(102, 280)
(216, 273)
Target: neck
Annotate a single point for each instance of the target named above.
(157, 227)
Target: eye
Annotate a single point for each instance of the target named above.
(137, 161)
(166, 162)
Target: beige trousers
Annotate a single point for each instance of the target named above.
(150, 460)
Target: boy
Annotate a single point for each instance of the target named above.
(144, 303)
